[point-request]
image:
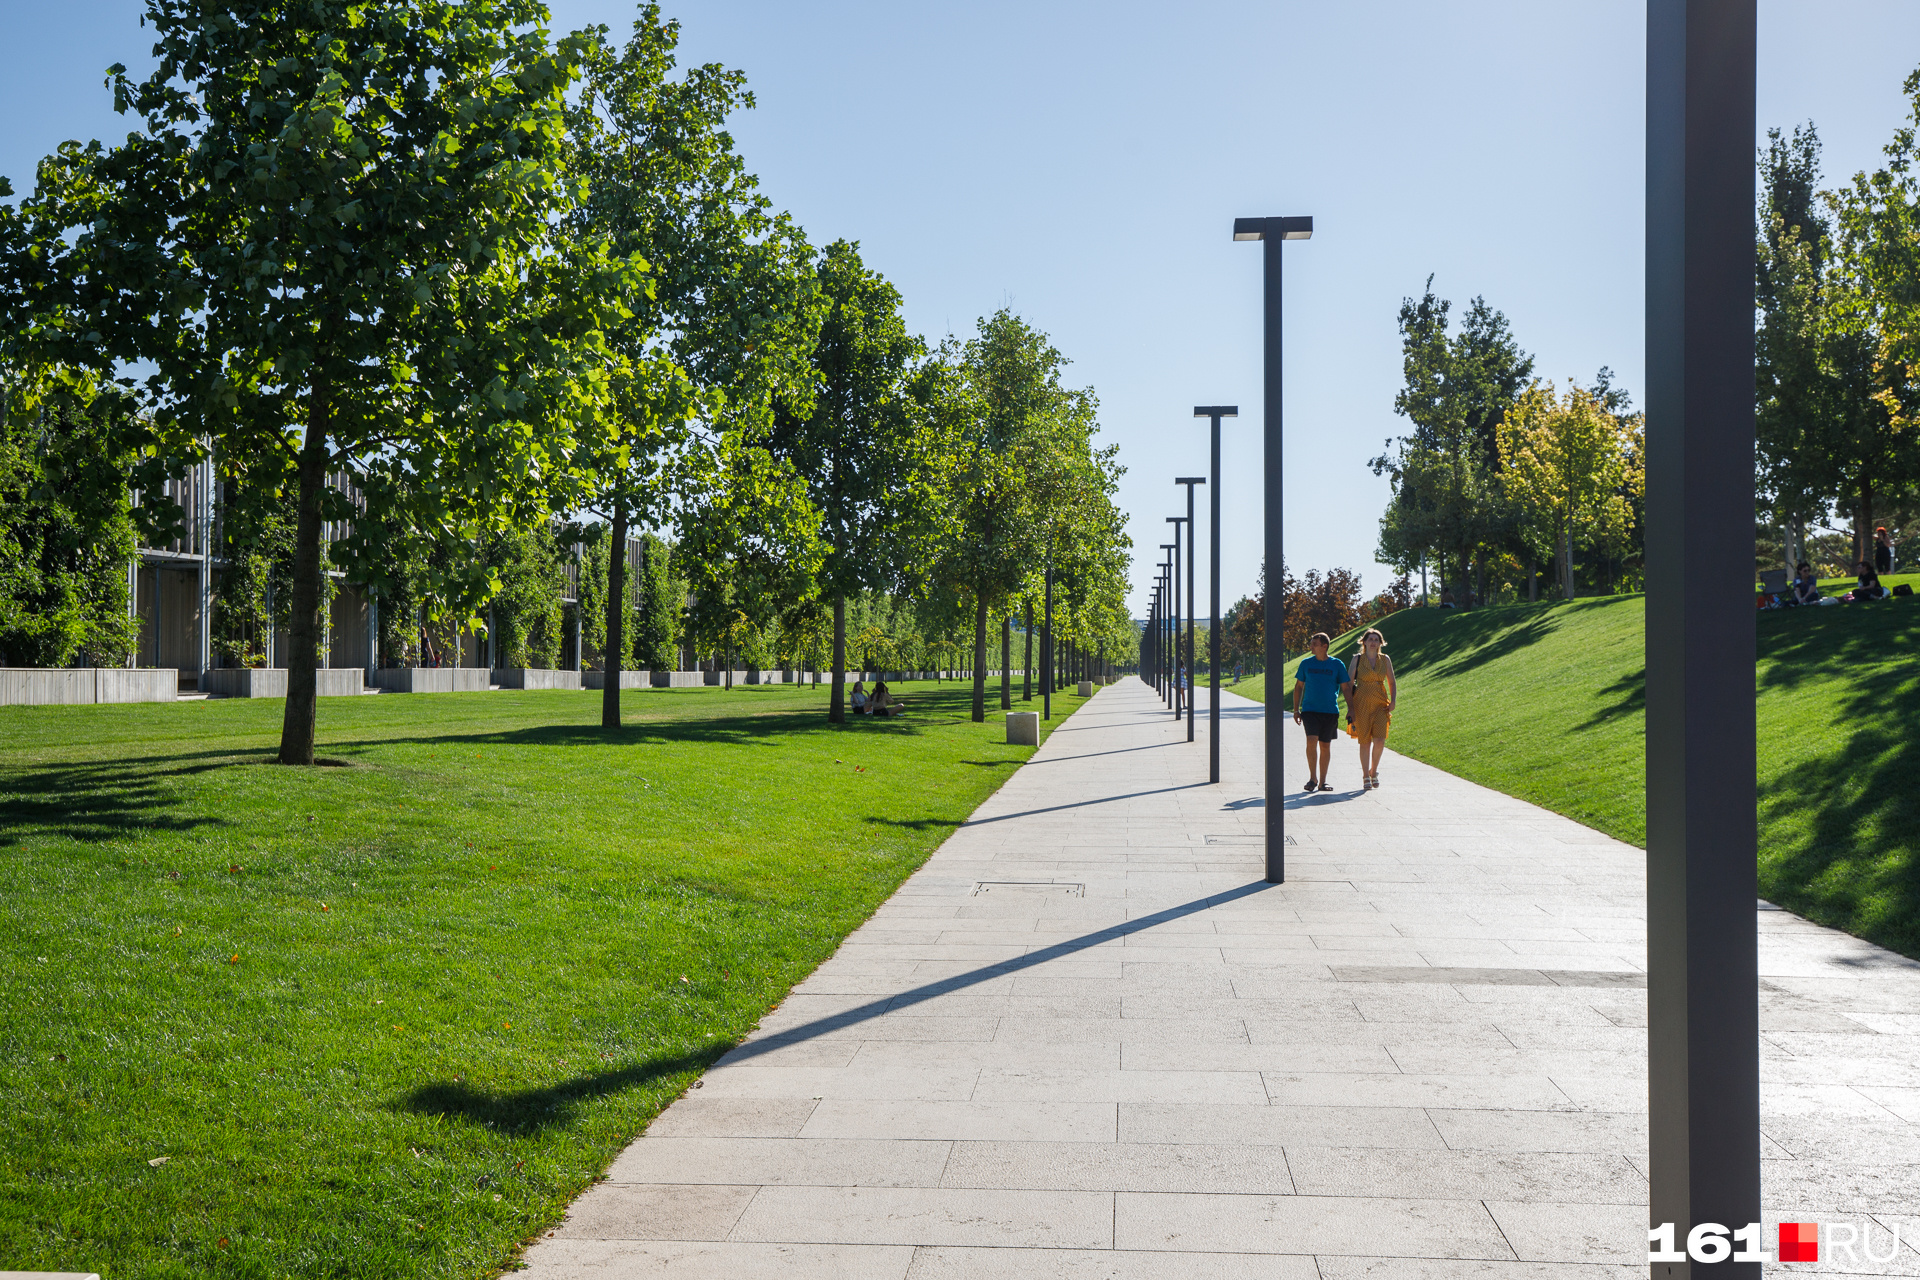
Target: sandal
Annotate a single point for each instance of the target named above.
(1311, 785)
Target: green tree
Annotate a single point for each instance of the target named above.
(732, 310)
(66, 528)
(336, 237)
(1445, 474)
(1564, 468)
(861, 443)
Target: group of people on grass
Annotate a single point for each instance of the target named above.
(1371, 692)
(1805, 589)
(880, 702)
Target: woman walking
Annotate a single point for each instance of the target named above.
(1370, 703)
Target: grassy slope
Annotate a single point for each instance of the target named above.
(387, 1019)
(1547, 702)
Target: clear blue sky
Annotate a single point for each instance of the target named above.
(1083, 163)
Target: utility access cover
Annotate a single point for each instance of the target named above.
(1251, 842)
(1057, 888)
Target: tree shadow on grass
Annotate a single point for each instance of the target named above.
(1848, 849)
(1469, 640)
(105, 800)
(526, 1111)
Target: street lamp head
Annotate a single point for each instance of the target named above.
(1189, 479)
(1217, 410)
(1176, 519)
(1277, 228)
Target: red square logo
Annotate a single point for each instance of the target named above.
(1799, 1242)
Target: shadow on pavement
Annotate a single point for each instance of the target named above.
(875, 1008)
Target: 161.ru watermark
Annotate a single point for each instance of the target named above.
(1798, 1242)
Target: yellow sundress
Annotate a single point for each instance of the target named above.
(1369, 702)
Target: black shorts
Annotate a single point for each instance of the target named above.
(1324, 725)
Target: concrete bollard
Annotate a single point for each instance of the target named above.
(1086, 688)
(1023, 728)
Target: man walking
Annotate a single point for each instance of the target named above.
(1318, 683)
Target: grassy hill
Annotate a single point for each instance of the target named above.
(1547, 702)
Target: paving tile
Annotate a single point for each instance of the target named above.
(770, 1161)
(1006, 1084)
(902, 1084)
(947, 1216)
(1319, 1224)
(633, 1211)
(1563, 1232)
(1317, 1126)
(697, 1116)
(1104, 1264)
(1119, 1166)
(1331, 1088)
(680, 1260)
(1338, 1268)
(1618, 1133)
(1467, 1175)
(979, 1121)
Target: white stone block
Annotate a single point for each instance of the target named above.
(1023, 728)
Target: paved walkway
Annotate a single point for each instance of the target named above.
(1086, 1040)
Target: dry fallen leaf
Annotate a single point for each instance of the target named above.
(236, 958)
(157, 1161)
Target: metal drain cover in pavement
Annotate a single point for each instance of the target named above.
(1061, 887)
(1250, 842)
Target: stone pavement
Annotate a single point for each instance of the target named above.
(1086, 1040)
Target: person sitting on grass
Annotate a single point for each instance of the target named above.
(1805, 589)
(1322, 680)
(859, 697)
(882, 702)
(1869, 588)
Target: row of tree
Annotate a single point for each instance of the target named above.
(1503, 475)
(1837, 348)
(1505, 479)
(500, 281)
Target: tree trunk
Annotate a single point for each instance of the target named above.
(303, 628)
(611, 661)
(1533, 582)
(1566, 561)
(1863, 528)
(980, 659)
(837, 709)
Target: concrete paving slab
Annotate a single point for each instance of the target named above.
(1086, 1040)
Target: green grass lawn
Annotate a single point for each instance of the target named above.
(385, 1019)
(1547, 702)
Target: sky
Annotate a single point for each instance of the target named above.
(1082, 163)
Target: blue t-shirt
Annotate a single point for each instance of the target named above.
(1323, 678)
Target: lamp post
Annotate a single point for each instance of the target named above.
(1179, 524)
(1168, 578)
(1193, 537)
(1274, 232)
(1703, 1066)
(1214, 412)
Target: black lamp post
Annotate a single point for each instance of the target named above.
(1703, 1066)
(1274, 232)
(1193, 536)
(1215, 412)
(1166, 618)
(1179, 524)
